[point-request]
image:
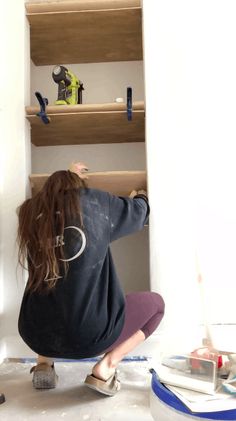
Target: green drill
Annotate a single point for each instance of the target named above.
(69, 86)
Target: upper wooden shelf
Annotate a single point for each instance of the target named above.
(82, 31)
(116, 182)
(87, 124)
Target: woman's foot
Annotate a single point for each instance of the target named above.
(109, 387)
(44, 376)
(104, 369)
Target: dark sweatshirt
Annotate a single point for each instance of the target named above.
(84, 314)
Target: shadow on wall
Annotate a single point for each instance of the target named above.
(131, 257)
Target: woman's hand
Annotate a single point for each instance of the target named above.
(79, 168)
(143, 192)
(135, 192)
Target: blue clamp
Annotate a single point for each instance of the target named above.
(129, 103)
(43, 102)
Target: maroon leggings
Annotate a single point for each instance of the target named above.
(143, 311)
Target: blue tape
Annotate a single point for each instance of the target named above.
(85, 360)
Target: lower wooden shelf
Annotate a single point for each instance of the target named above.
(116, 182)
(87, 124)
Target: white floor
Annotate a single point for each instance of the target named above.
(72, 400)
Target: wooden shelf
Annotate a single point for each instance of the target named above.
(87, 124)
(115, 182)
(85, 31)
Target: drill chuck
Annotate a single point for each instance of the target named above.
(60, 74)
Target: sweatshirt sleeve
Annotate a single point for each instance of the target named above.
(127, 215)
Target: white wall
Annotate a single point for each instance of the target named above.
(14, 159)
(190, 69)
(103, 82)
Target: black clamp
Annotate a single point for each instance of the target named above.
(43, 102)
(129, 103)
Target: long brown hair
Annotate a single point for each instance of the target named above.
(41, 220)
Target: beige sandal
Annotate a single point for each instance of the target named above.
(109, 387)
(44, 376)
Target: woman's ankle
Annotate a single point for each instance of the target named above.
(104, 368)
(45, 360)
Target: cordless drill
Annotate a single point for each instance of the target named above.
(69, 86)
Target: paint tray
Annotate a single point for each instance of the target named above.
(188, 372)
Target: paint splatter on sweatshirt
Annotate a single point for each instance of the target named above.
(84, 314)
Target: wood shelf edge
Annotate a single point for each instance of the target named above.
(83, 108)
(95, 173)
(116, 182)
(79, 6)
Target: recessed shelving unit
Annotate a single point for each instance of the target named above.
(88, 31)
(85, 31)
(115, 182)
(87, 124)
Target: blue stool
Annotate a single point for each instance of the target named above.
(174, 404)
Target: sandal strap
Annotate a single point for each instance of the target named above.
(116, 381)
(107, 387)
(113, 382)
(42, 367)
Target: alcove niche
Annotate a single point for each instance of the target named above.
(102, 45)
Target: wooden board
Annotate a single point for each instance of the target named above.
(86, 36)
(115, 182)
(87, 124)
(80, 108)
(78, 5)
